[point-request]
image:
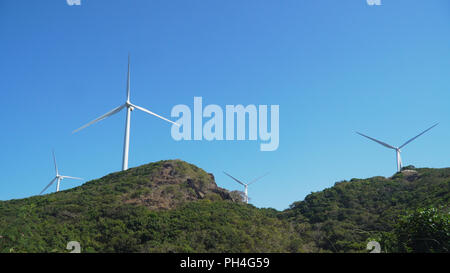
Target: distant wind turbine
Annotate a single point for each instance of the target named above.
(397, 149)
(246, 185)
(130, 107)
(58, 177)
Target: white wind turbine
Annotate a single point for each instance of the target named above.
(58, 177)
(246, 185)
(397, 149)
(129, 107)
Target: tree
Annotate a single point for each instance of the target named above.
(424, 230)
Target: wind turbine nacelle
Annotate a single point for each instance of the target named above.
(129, 105)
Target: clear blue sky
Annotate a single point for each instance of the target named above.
(334, 67)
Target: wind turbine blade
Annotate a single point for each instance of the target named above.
(242, 183)
(377, 141)
(128, 79)
(256, 179)
(51, 182)
(54, 160)
(110, 113)
(404, 144)
(71, 177)
(156, 115)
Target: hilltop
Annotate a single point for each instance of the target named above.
(343, 217)
(167, 206)
(174, 206)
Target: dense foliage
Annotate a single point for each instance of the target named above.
(173, 206)
(168, 206)
(344, 217)
(422, 231)
(202, 226)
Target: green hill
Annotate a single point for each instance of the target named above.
(173, 206)
(167, 206)
(343, 217)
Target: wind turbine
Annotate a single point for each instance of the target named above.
(129, 107)
(246, 185)
(397, 149)
(58, 177)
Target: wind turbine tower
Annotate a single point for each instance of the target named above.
(397, 149)
(246, 184)
(58, 177)
(129, 107)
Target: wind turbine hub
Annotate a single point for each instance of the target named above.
(129, 105)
